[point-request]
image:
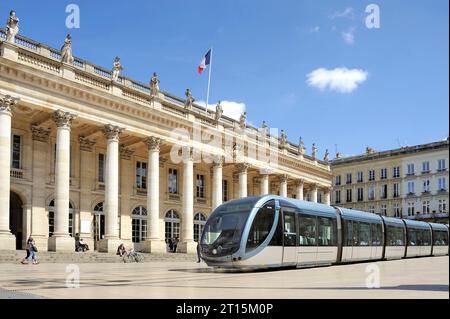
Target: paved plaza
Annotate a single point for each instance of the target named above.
(410, 278)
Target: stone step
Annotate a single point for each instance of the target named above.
(89, 257)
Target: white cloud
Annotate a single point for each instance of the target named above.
(349, 36)
(315, 29)
(230, 108)
(346, 13)
(341, 80)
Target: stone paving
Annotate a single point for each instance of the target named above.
(408, 278)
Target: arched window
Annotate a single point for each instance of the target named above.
(139, 224)
(51, 218)
(172, 221)
(199, 225)
(99, 222)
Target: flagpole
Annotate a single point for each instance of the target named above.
(209, 81)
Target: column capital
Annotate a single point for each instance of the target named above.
(125, 153)
(243, 167)
(153, 143)
(188, 153)
(40, 134)
(313, 186)
(63, 119)
(7, 104)
(112, 132)
(299, 182)
(284, 178)
(86, 144)
(265, 171)
(218, 162)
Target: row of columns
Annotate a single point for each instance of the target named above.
(61, 240)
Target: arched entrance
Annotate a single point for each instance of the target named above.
(199, 225)
(99, 224)
(16, 218)
(139, 226)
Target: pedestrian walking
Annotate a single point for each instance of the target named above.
(31, 252)
(199, 257)
(175, 244)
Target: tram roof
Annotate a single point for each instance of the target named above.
(437, 226)
(394, 221)
(360, 215)
(416, 224)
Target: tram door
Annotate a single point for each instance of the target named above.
(289, 238)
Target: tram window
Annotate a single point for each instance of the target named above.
(364, 234)
(355, 233)
(307, 230)
(327, 231)
(412, 237)
(277, 239)
(440, 238)
(290, 231)
(262, 224)
(348, 226)
(376, 234)
(395, 236)
(426, 237)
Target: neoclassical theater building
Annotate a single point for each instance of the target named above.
(86, 151)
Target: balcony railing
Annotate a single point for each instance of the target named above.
(16, 173)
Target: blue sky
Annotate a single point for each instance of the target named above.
(263, 53)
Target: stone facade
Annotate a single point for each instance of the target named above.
(83, 154)
(410, 182)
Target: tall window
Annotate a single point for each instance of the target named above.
(199, 225)
(51, 219)
(371, 193)
(396, 190)
(101, 168)
(383, 173)
(173, 181)
(383, 210)
(360, 194)
(411, 188)
(426, 207)
(442, 185)
(172, 224)
(16, 152)
(441, 165)
(338, 180)
(371, 175)
(410, 169)
(349, 178)
(396, 172)
(411, 209)
(200, 186)
(384, 191)
(425, 167)
(141, 175)
(397, 210)
(139, 224)
(371, 209)
(224, 190)
(360, 177)
(442, 206)
(319, 197)
(349, 195)
(338, 197)
(426, 186)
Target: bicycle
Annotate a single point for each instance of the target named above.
(133, 256)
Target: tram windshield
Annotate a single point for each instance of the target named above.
(223, 231)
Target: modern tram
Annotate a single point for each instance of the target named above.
(271, 231)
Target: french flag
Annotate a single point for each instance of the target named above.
(205, 61)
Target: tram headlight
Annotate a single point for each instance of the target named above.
(214, 251)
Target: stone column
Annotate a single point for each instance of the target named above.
(265, 184)
(283, 185)
(217, 185)
(314, 193)
(39, 220)
(87, 182)
(7, 239)
(127, 180)
(111, 241)
(187, 244)
(243, 168)
(153, 243)
(299, 189)
(327, 199)
(61, 240)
